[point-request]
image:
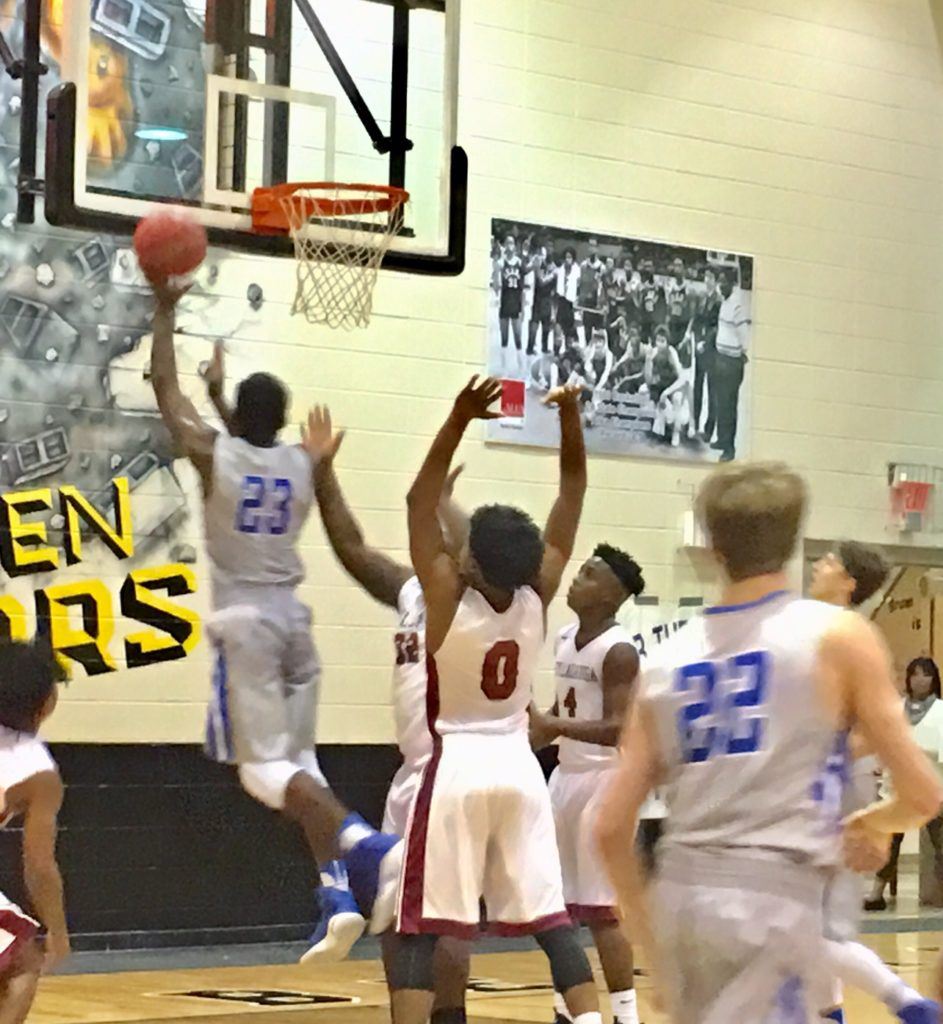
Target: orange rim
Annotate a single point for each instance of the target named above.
(269, 203)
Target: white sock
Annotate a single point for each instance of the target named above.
(351, 834)
(863, 969)
(559, 1006)
(624, 1007)
(588, 1018)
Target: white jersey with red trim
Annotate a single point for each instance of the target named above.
(486, 665)
(409, 676)
(580, 692)
(22, 755)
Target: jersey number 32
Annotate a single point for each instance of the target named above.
(724, 713)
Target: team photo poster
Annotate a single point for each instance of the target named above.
(658, 337)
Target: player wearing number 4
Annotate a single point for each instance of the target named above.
(481, 824)
(257, 494)
(596, 667)
(738, 714)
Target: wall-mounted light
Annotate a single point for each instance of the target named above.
(160, 133)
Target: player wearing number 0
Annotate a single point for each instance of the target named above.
(738, 714)
(596, 667)
(395, 586)
(849, 576)
(481, 825)
(257, 494)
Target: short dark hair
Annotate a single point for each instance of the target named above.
(626, 570)
(507, 546)
(28, 675)
(866, 565)
(661, 331)
(928, 666)
(261, 405)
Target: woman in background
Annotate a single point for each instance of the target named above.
(925, 711)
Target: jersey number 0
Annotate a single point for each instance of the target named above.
(499, 670)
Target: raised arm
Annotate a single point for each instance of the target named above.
(564, 519)
(381, 576)
(452, 517)
(214, 377)
(41, 798)
(619, 673)
(437, 570)
(191, 435)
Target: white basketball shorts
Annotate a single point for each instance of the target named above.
(481, 828)
(400, 798)
(264, 697)
(575, 797)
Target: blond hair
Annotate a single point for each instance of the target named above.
(752, 513)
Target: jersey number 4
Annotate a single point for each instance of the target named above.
(265, 505)
(499, 670)
(727, 715)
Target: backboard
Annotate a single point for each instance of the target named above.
(197, 102)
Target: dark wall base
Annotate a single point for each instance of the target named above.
(159, 846)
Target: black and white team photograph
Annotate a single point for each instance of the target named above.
(657, 336)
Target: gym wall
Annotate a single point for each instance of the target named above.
(804, 134)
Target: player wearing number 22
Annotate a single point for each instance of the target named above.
(257, 495)
(738, 715)
(481, 825)
(596, 669)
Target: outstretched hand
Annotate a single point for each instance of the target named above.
(170, 291)
(473, 400)
(318, 437)
(449, 486)
(566, 394)
(214, 373)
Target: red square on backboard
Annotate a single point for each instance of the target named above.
(512, 398)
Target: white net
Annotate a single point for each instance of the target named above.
(341, 233)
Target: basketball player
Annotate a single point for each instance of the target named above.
(545, 284)
(568, 284)
(395, 586)
(31, 789)
(482, 824)
(512, 292)
(596, 669)
(681, 302)
(590, 293)
(848, 577)
(257, 494)
(739, 713)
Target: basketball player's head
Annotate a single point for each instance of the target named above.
(922, 679)
(710, 281)
(752, 513)
(605, 582)
(677, 268)
(28, 677)
(661, 337)
(261, 407)
(504, 549)
(849, 575)
(509, 244)
(569, 256)
(593, 248)
(600, 340)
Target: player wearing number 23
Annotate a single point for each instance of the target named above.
(481, 825)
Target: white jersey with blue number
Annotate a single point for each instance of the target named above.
(752, 760)
(257, 505)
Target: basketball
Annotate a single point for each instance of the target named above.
(169, 243)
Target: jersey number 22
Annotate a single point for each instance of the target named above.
(725, 713)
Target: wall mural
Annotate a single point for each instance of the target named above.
(83, 454)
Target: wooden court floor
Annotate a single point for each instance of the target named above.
(512, 986)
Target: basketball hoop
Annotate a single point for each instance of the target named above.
(341, 234)
(909, 501)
